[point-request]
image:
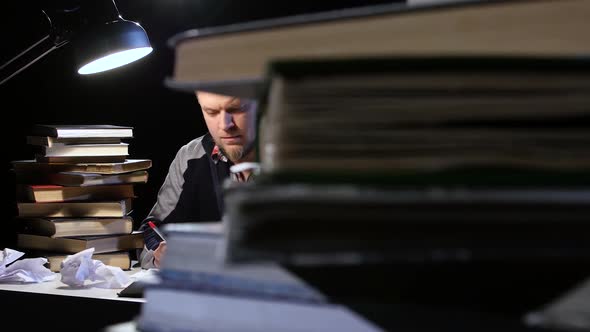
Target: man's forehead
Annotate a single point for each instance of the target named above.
(211, 100)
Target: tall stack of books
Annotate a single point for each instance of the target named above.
(450, 140)
(78, 192)
(427, 158)
(433, 136)
(448, 134)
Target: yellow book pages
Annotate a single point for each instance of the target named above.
(57, 193)
(75, 209)
(68, 227)
(116, 259)
(101, 244)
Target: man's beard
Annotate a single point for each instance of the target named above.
(238, 153)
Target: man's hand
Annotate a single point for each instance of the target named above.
(159, 253)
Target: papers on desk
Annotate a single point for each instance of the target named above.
(139, 281)
(27, 270)
(78, 268)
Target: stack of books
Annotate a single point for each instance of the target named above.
(456, 141)
(196, 289)
(448, 134)
(78, 193)
(447, 131)
(426, 158)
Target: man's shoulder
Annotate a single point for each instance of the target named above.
(196, 148)
(195, 143)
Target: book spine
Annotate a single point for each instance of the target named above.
(216, 283)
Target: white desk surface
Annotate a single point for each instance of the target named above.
(56, 287)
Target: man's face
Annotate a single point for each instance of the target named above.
(231, 122)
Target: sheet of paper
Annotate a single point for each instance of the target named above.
(28, 270)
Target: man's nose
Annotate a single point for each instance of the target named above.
(227, 121)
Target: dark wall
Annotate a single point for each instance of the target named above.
(51, 92)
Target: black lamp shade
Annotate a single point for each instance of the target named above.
(120, 41)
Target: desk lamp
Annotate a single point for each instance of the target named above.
(102, 39)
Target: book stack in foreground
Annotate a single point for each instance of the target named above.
(78, 193)
(422, 158)
(198, 291)
(395, 141)
(464, 138)
(422, 177)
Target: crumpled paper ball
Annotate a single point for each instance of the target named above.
(78, 268)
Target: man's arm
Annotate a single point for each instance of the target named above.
(167, 199)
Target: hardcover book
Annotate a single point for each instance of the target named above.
(49, 141)
(396, 115)
(233, 59)
(119, 208)
(68, 227)
(85, 150)
(79, 159)
(120, 259)
(82, 131)
(57, 193)
(72, 245)
(92, 179)
(28, 170)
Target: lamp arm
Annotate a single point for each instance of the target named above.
(55, 39)
(29, 56)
